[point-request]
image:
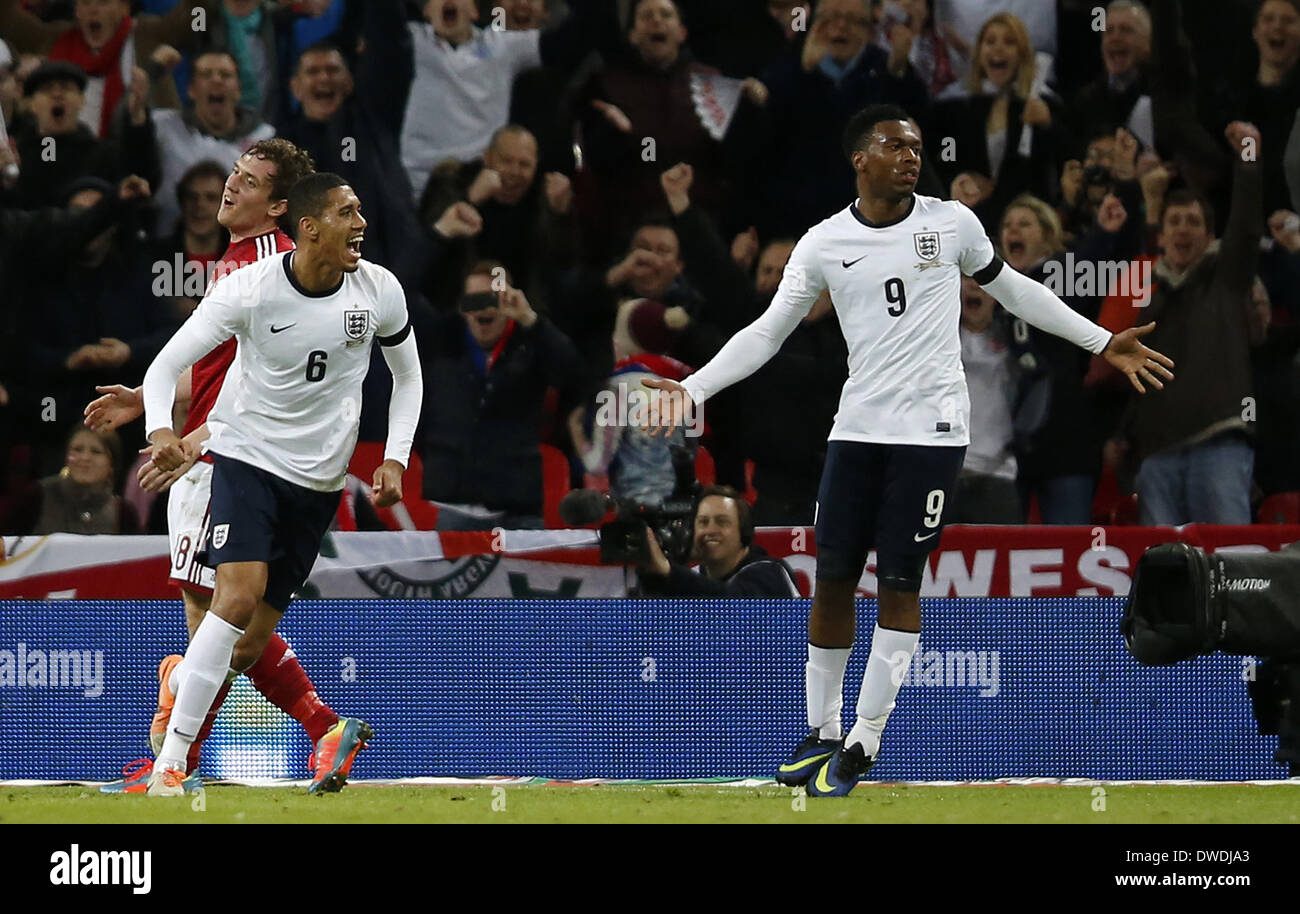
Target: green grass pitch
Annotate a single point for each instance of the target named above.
(664, 803)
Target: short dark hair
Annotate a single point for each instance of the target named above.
(1259, 8)
(208, 168)
(508, 130)
(310, 195)
(292, 164)
(864, 122)
(488, 267)
(654, 219)
(322, 46)
(220, 52)
(744, 517)
(636, 5)
(1185, 196)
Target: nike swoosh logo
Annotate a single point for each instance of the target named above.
(922, 539)
(275, 329)
(822, 784)
(792, 767)
(849, 263)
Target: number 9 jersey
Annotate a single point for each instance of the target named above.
(896, 289)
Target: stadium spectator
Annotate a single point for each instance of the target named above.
(353, 128)
(729, 299)
(1121, 95)
(101, 41)
(107, 325)
(10, 92)
(966, 16)
(539, 98)
(80, 498)
(586, 302)
(190, 253)
(1110, 168)
(1005, 129)
(527, 224)
(53, 146)
(741, 38)
(731, 564)
(801, 175)
(10, 87)
(1057, 449)
(1275, 374)
(641, 110)
(986, 492)
(1279, 268)
(37, 242)
(487, 369)
(463, 74)
(1191, 439)
(618, 454)
(254, 32)
(1270, 99)
(214, 127)
(939, 54)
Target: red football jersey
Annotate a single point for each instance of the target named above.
(210, 371)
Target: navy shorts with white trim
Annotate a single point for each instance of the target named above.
(887, 497)
(255, 516)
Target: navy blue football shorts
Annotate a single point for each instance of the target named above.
(255, 516)
(887, 497)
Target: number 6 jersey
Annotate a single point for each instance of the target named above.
(291, 402)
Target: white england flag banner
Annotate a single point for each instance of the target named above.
(716, 98)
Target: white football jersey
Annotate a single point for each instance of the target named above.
(292, 402)
(896, 289)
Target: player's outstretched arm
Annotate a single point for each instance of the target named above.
(1127, 353)
(1039, 306)
(751, 348)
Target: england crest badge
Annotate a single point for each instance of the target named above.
(927, 245)
(356, 324)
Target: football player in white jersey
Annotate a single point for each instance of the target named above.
(282, 430)
(893, 263)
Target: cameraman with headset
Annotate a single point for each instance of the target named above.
(731, 564)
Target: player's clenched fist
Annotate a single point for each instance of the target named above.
(169, 452)
(387, 488)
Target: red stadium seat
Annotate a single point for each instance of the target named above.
(751, 494)
(1110, 506)
(555, 485)
(1280, 508)
(370, 454)
(705, 472)
(366, 459)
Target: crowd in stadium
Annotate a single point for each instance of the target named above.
(641, 170)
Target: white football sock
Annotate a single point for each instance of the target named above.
(174, 680)
(891, 655)
(207, 661)
(824, 686)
